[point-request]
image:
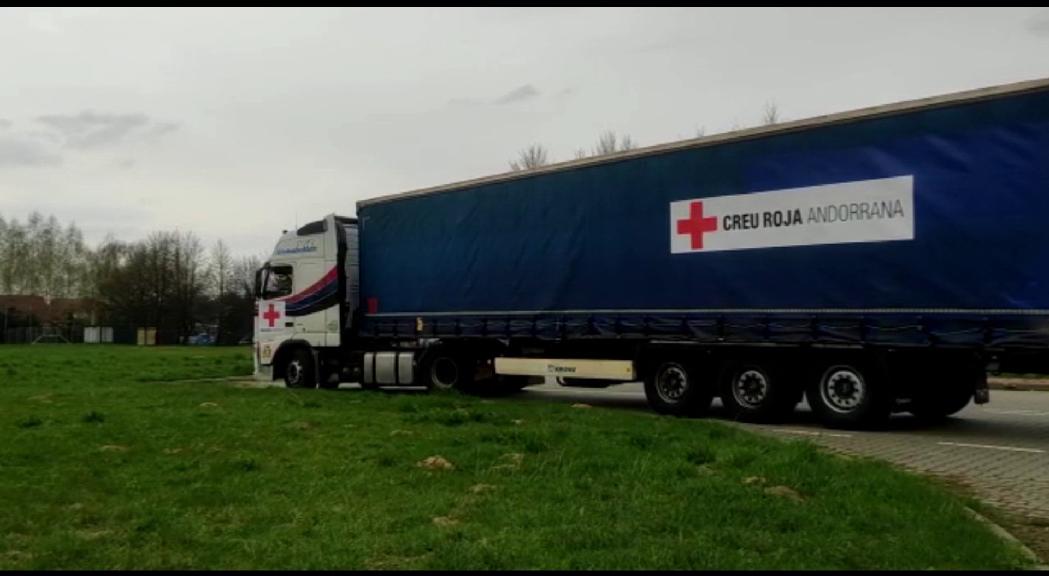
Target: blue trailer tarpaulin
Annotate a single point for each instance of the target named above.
(925, 224)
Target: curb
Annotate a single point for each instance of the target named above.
(1023, 384)
(1005, 535)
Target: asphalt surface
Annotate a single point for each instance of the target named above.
(1000, 449)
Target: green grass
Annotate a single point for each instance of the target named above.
(106, 464)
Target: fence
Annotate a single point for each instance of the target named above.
(75, 333)
(37, 334)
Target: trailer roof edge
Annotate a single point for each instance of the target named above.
(964, 97)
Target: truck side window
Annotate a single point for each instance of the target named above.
(278, 282)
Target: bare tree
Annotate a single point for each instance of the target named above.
(701, 131)
(28, 272)
(13, 260)
(41, 258)
(243, 276)
(221, 269)
(72, 263)
(221, 275)
(606, 144)
(580, 154)
(610, 143)
(189, 281)
(6, 281)
(530, 158)
(771, 115)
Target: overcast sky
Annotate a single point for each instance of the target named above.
(237, 123)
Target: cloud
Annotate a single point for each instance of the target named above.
(5, 124)
(519, 94)
(160, 129)
(89, 130)
(1038, 24)
(126, 163)
(24, 152)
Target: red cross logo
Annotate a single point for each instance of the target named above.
(271, 315)
(696, 225)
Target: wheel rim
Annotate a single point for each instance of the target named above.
(294, 372)
(750, 388)
(843, 389)
(672, 384)
(444, 373)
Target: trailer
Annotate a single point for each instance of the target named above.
(875, 261)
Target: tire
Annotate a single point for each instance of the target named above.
(443, 371)
(677, 389)
(757, 392)
(299, 371)
(850, 394)
(945, 390)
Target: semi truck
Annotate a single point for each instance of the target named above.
(869, 262)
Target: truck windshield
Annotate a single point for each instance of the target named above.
(278, 282)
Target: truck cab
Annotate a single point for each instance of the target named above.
(306, 298)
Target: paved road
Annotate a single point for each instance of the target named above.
(1000, 449)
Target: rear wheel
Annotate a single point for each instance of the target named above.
(443, 370)
(945, 390)
(677, 389)
(757, 392)
(850, 394)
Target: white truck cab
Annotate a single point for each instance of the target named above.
(306, 297)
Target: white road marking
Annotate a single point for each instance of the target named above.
(991, 447)
(812, 433)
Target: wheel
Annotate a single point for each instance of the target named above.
(944, 390)
(299, 373)
(677, 389)
(753, 392)
(850, 394)
(442, 370)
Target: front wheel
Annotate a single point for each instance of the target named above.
(299, 372)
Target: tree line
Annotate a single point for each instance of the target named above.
(167, 281)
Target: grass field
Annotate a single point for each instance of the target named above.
(107, 463)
